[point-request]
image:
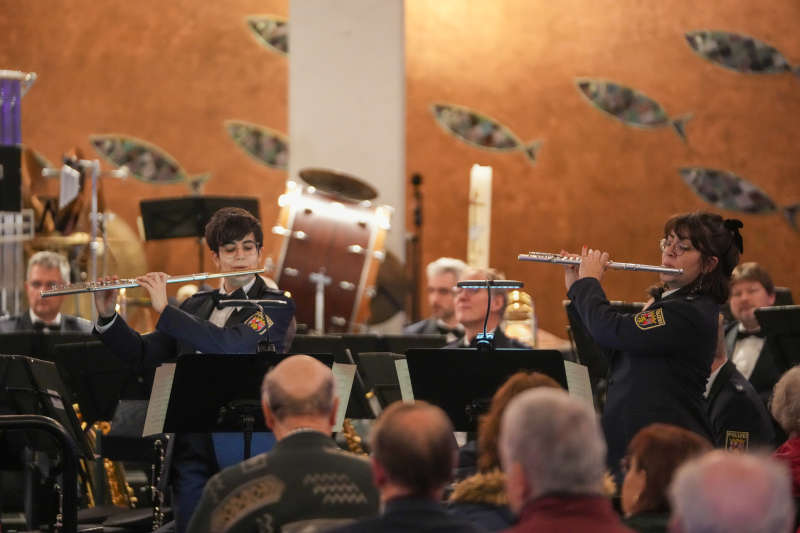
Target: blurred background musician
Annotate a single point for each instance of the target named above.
(471, 306)
(235, 239)
(665, 351)
(45, 269)
(442, 276)
(751, 288)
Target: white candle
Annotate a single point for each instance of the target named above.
(480, 215)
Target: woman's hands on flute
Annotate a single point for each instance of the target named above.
(593, 265)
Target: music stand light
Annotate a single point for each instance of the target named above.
(486, 340)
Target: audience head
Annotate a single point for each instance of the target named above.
(442, 276)
(751, 288)
(298, 392)
(653, 456)
(489, 428)
(550, 443)
(785, 406)
(716, 245)
(413, 450)
(45, 269)
(471, 304)
(732, 493)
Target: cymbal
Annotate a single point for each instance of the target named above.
(77, 238)
(338, 184)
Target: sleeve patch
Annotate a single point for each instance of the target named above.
(650, 319)
(259, 322)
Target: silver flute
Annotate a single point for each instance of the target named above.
(96, 286)
(541, 257)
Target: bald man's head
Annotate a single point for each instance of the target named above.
(414, 443)
(298, 386)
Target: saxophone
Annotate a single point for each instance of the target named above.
(354, 441)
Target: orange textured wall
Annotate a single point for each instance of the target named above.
(598, 181)
(166, 72)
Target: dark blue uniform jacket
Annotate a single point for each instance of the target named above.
(663, 361)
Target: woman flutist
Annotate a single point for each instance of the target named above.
(663, 354)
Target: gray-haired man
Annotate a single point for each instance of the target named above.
(305, 480)
(442, 276)
(732, 493)
(45, 269)
(554, 455)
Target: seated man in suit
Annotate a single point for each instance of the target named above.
(45, 270)
(442, 276)
(306, 482)
(738, 416)
(471, 306)
(413, 456)
(751, 288)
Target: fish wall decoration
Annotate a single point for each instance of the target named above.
(630, 106)
(271, 31)
(267, 146)
(481, 131)
(145, 161)
(726, 190)
(740, 53)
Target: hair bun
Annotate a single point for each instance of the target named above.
(733, 225)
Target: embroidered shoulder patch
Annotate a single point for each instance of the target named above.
(737, 441)
(259, 322)
(650, 319)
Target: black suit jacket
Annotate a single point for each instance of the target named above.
(69, 324)
(500, 341)
(660, 372)
(412, 514)
(304, 478)
(737, 414)
(768, 369)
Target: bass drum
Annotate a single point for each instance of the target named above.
(334, 235)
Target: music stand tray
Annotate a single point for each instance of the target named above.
(187, 216)
(463, 381)
(782, 326)
(31, 386)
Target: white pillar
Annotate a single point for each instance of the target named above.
(347, 96)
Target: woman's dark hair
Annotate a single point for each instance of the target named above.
(659, 449)
(713, 236)
(489, 427)
(231, 224)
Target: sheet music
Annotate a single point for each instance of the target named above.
(69, 187)
(578, 383)
(159, 400)
(343, 375)
(404, 378)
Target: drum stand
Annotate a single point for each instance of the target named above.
(320, 280)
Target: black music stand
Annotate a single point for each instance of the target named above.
(463, 381)
(215, 393)
(403, 343)
(782, 326)
(380, 374)
(314, 345)
(39, 344)
(187, 216)
(98, 379)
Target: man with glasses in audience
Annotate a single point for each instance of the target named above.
(45, 270)
(471, 306)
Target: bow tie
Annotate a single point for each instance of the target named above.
(238, 294)
(744, 334)
(44, 326)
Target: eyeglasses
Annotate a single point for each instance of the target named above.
(469, 291)
(678, 248)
